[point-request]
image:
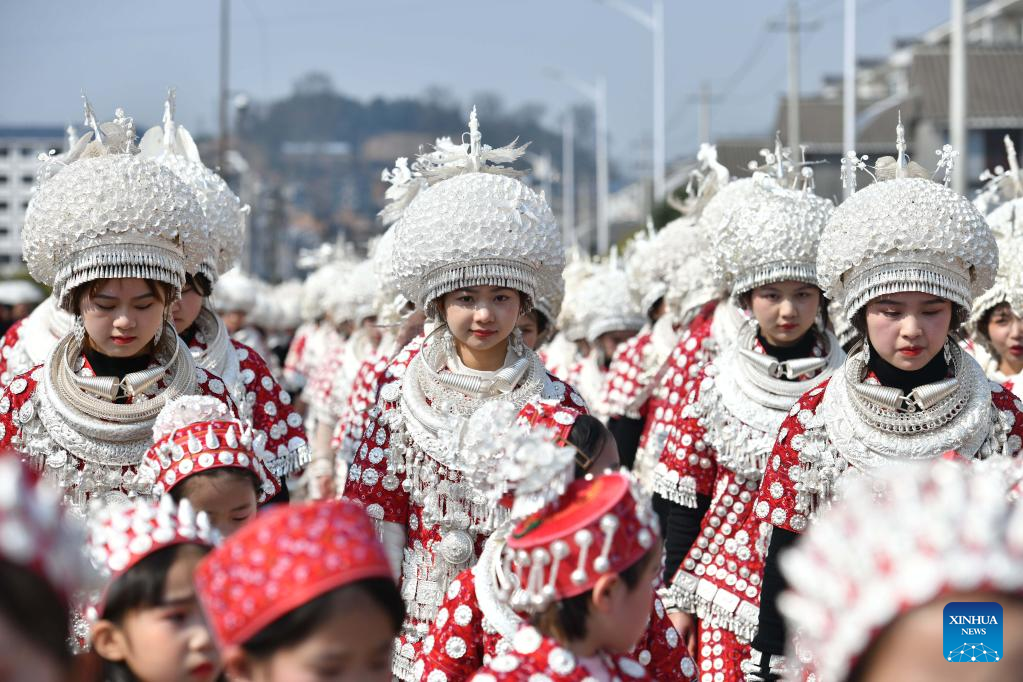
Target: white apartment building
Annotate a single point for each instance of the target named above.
(20, 147)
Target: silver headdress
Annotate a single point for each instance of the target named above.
(897, 543)
(572, 320)
(1002, 191)
(905, 233)
(104, 211)
(1001, 200)
(388, 301)
(236, 292)
(772, 235)
(646, 267)
(171, 145)
(683, 248)
(475, 225)
(607, 301)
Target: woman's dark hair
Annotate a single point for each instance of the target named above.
(181, 490)
(161, 290)
(654, 309)
(35, 610)
(141, 587)
(200, 283)
(588, 436)
(566, 619)
(542, 323)
(985, 323)
(299, 623)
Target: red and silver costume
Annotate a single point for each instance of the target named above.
(720, 445)
(260, 400)
(104, 211)
(854, 426)
(473, 226)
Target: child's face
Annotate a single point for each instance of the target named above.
(352, 645)
(166, 643)
(229, 501)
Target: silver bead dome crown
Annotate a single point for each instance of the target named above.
(102, 211)
(476, 225)
(171, 145)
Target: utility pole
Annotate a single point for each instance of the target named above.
(568, 179)
(597, 93)
(225, 51)
(793, 28)
(793, 108)
(653, 22)
(849, 82)
(957, 95)
(704, 115)
(603, 226)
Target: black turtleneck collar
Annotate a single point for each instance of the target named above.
(906, 380)
(189, 334)
(800, 349)
(106, 366)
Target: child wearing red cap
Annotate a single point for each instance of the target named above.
(477, 624)
(203, 454)
(584, 568)
(146, 625)
(303, 592)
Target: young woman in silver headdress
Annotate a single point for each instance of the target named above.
(997, 317)
(114, 235)
(905, 257)
(261, 402)
(471, 250)
(767, 257)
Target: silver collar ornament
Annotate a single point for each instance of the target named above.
(73, 431)
(747, 394)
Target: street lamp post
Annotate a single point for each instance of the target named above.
(568, 179)
(597, 93)
(654, 22)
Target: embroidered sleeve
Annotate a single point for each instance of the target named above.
(788, 490)
(1011, 418)
(272, 413)
(661, 650)
(368, 479)
(454, 645)
(211, 385)
(687, 467)
(16, 408)
(6, 347)
(624, 379)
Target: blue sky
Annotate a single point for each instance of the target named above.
(126, 53)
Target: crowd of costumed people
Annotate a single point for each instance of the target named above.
(768, 441)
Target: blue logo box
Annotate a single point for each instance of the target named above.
(972, 632)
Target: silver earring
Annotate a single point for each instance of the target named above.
(948, 351)
(518, 346)
(78, 331)
(866, 352)
(819, 321)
